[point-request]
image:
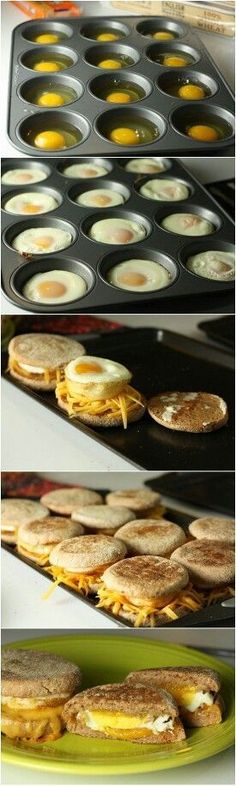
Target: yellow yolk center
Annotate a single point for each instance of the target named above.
(163, 35)
(118, 98)
(88, 368)
(46, 65)
(43, 242)
(29, 207)
(203, 133)
(174, 61)
(191, 92)
(124, 136)
(102, 200)
(50, 99)
(51, 289)
(132, 279)
(109, 64)
(50, 140)
(107, 37)
(47, 38)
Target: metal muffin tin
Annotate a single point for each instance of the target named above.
(90, 114)
(91, 259)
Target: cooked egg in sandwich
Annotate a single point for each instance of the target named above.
(35, 687)
(38, 359)
(97, 391)
(125, 712)
(79, 562)
(195, 690)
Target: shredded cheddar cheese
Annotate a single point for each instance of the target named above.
(81, 582)
(188, 599)
(41, 559)
(124, 404)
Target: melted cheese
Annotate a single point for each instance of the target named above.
(46, 375)
(117, 602)
(41, 559)
(109, 721)
(81, 582)
(190, 698)
(123, 404)
(36, 725)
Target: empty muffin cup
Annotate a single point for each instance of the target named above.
(187, 85)
(118, 88)
(131, 127)
(138, 271)
(46, 33)
(173, 55)
(76, 281)
(85, 168)
(49, 60)
(105, 31)
(31, 202)
(53, 131)
(112, 57)
(161, 29)
(40, 236)
(188, 221)
(120, 228)
(105, 195)
(203, 124)
(213, 260)
(49, 92)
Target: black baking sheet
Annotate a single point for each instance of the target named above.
(160, 361)
(221, 330)
(213, 615)
(212, 490)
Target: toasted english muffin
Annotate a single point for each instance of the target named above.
(38, 359)
(193, 412)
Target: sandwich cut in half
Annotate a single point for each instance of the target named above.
(79, 562)
(17, 511)
(125, 712)
(195, 690)
(97, 392)
(35, 687)
(38, 359)
(147, 591)
(36, 539)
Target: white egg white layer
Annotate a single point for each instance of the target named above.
(145, 165)
(198, 699)
(18, 177)
(218, 265)
(100, 197)
(73, 285)
(104, 370)
(21, 204)
(160, 724)
(42, 240)
(164, 190)
(188, 224)
(155, 275)
(85, 170)
(117, 231)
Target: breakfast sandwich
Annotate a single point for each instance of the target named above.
(35, 687)
(102, 518)
(147, 590)
(38, 359)
(151, 536)
(213, 528)
(210, 564)
(97, 392)
(195, 690)
(15, 512)
(192, 412)
(36, 539)
(64, 501)
(141, 500)
(125, 712)
(80, 562)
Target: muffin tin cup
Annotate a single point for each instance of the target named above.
(92, 110)
(35, 124)
(195, 247)
(149, 26)
(166, 79)
(102, 83)
(26, 271)
(51, 84)
(109, 185)
(166, 247)
(33, 29)
(197, 210)
(32, 189)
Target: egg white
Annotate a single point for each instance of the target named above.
(208, 265)
(74, 284)
(142, 165)
(27, 241)
(16, 177)
(45, 202)
(89, 198)
(157, 276)
(110, 371)
(180, 223)
(82, 170)
(103, 230)
(164, 190)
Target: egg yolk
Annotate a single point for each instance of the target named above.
(191, 92)
(88, 368)
(174, 61)
(51, 289)
(122, 235)
(163, 35)
(43, 242)
(132, 279)
(109, 64)
(101, 200)
(124, 136)
(50, 99)
(47, 38)
(50, 140)
(118, 98)
(29, 207)
(46, 65)
(107, 37)
(203, 133)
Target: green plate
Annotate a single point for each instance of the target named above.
(109, 659)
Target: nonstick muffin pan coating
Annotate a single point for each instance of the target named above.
(91, 259)
(159, 360)
(213, 615)
(92, 117)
